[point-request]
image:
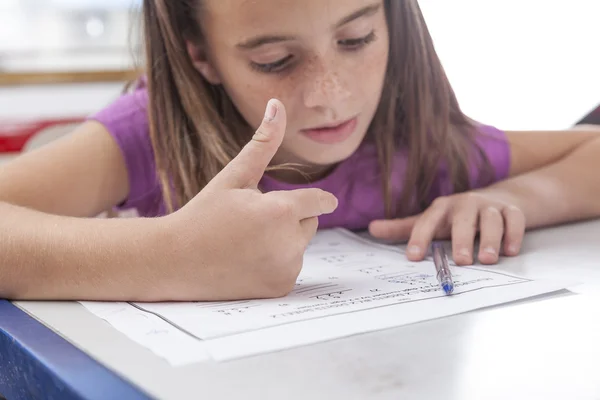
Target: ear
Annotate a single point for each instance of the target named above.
(200, 61)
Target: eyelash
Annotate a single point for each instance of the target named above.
(280, 65)
(357, 44)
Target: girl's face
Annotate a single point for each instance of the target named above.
(324, 59)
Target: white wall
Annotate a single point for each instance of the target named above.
(517, 64)
(47, 101)
(520, 64)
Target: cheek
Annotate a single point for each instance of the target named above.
(250, 93)
(372, 72)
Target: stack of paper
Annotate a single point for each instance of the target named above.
(348, 285)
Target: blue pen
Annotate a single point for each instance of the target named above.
(444, 275)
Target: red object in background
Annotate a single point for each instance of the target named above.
(14, 135)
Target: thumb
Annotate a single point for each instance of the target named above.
(394, 230)
(246, 170)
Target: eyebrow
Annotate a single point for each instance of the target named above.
(363, 12)
(268, 39)
(262, 40)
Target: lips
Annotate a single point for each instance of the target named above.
(331, 133)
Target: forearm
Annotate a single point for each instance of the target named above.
(50, 257)
(566, 190)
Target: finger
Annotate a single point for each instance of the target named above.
(246, 170)
(514, 228)
(464, 229)
(309, 228)
(491, 228)
(394, 230)
(424, 231)
(308, 203)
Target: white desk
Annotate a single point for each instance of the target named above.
(547, 348)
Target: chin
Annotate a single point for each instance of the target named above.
(330, 154)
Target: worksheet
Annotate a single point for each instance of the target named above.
(348, 285)
(342, 273)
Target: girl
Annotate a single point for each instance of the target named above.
(374, 138)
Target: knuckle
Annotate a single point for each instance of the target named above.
(282, 209)
(321, 199)
(252, 205)
(285, 281)
(272, 288)
(279, 290)
(514, 214)
(464, 220)
(514, 209)
(313, 224)
(235, 169)
(440, 202)
(297, 252)
(492, 211)
(286, 288)
(471, 198)
(296, 268)
(262, 134)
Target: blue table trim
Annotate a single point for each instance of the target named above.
(37, 363)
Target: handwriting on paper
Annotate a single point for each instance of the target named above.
(342, 273)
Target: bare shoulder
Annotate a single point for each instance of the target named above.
(531, 150)
(81, 174)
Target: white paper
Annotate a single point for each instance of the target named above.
(348, 285)
(342, 325)
(150, 331)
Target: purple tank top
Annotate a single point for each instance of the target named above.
(355, 181)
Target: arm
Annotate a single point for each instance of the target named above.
(46, 253)
(554, 176)
(80, 175)
(186, 255)
(50, 257)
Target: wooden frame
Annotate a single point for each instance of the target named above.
(58, 77)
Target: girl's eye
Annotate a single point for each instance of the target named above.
(276, 66)
(358, 43)
(282, 64)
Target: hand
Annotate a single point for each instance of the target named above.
(460, 217)
(234, 242)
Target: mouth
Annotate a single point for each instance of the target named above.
(336, 132)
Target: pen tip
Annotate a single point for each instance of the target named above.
(448, 288)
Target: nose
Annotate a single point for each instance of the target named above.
(324, 87)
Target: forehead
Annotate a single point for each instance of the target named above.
(236, 20)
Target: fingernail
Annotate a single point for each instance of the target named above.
(414, 251)
(271, 111)
(512, 249)
(464, 252)
(490, 250)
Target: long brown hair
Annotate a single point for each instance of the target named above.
(196, 130)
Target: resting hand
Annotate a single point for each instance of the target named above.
(460, 217)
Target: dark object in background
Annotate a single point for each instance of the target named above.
(593, 118)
